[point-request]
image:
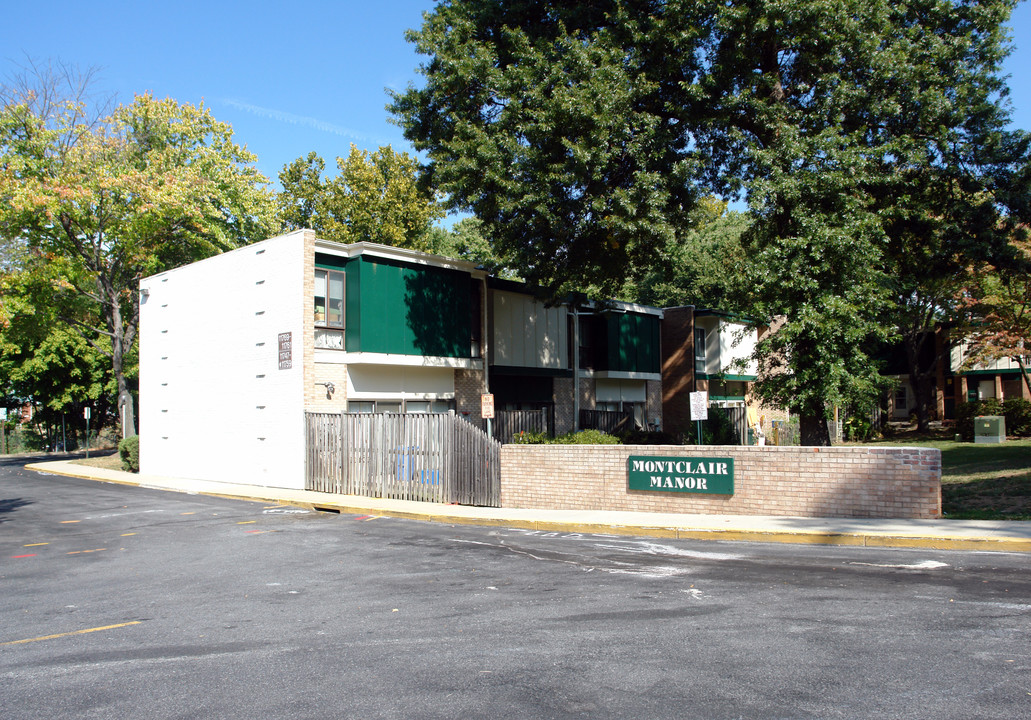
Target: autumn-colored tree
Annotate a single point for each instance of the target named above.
(999, 303)
(155, 184)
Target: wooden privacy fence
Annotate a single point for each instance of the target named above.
(509, 423)
(427, 457)
(608, 421)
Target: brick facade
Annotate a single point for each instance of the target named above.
(469, 385)
(678, 376)
(785, 481)
(310, 390)
(564, 420)
(320, 400)
(653, 390)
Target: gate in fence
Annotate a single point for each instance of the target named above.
(738, 415)
(432, 458)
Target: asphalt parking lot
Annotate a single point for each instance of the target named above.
(123, 602)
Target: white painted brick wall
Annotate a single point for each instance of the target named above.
(214, 404)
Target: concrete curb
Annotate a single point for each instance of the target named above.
(523, 519)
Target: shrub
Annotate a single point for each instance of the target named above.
(129, 452)
(586, 437)
(647, 437)
(966, 412)
(717, 430)
(857, 428)
(527, 437)
(1018, 416)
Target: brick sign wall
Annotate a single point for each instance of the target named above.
(786, 481)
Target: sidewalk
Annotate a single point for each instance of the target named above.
(984, 535)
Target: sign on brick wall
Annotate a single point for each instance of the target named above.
(714, 476)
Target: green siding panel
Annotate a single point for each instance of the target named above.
(331, 262)
(352, 306)
(633, 343)
(408, 310)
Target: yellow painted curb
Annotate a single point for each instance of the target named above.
(764, 536)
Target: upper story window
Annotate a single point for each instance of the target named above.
(329, 309)
(699, 350)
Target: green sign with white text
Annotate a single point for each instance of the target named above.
(714, 476)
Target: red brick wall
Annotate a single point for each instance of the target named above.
(786, 481)
(677, 369)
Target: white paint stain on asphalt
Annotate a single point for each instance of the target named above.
(607, 565)
(651, 548)
(925, 565)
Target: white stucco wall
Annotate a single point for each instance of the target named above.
(737, 343)
(214, 404)
(958, 355)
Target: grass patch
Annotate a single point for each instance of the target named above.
(982, 482)
(108, 462)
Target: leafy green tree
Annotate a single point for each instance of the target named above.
(375, 197)
(548, 123)
(865, 135)
(304, 193)
(465, 241)
(41, 359)
(583, 134)
(154, 185)
(700, 267)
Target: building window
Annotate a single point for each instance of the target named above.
(395, 406)
(329, 309)
(900, 398)
(699, 350)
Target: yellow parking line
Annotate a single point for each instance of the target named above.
(35, 544)
(74, 632)
(66, 522)
(127, 534)
(246, 522)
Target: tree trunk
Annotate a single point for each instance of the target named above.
(1023, 371)
(813, 430)
(921, 385)
(121, 339)
(920, 379)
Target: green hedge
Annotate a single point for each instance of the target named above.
(1018, 416)
(647, 437)
(129, 452)
(584, 437)
(966, 412)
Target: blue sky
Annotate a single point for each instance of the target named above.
(289, 77)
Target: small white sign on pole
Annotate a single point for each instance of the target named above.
(487, 406)
(699, 405)
(85, 413)
(3, 413)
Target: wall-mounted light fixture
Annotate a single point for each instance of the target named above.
(330, 389)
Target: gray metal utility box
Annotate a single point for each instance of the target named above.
(989, 429)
